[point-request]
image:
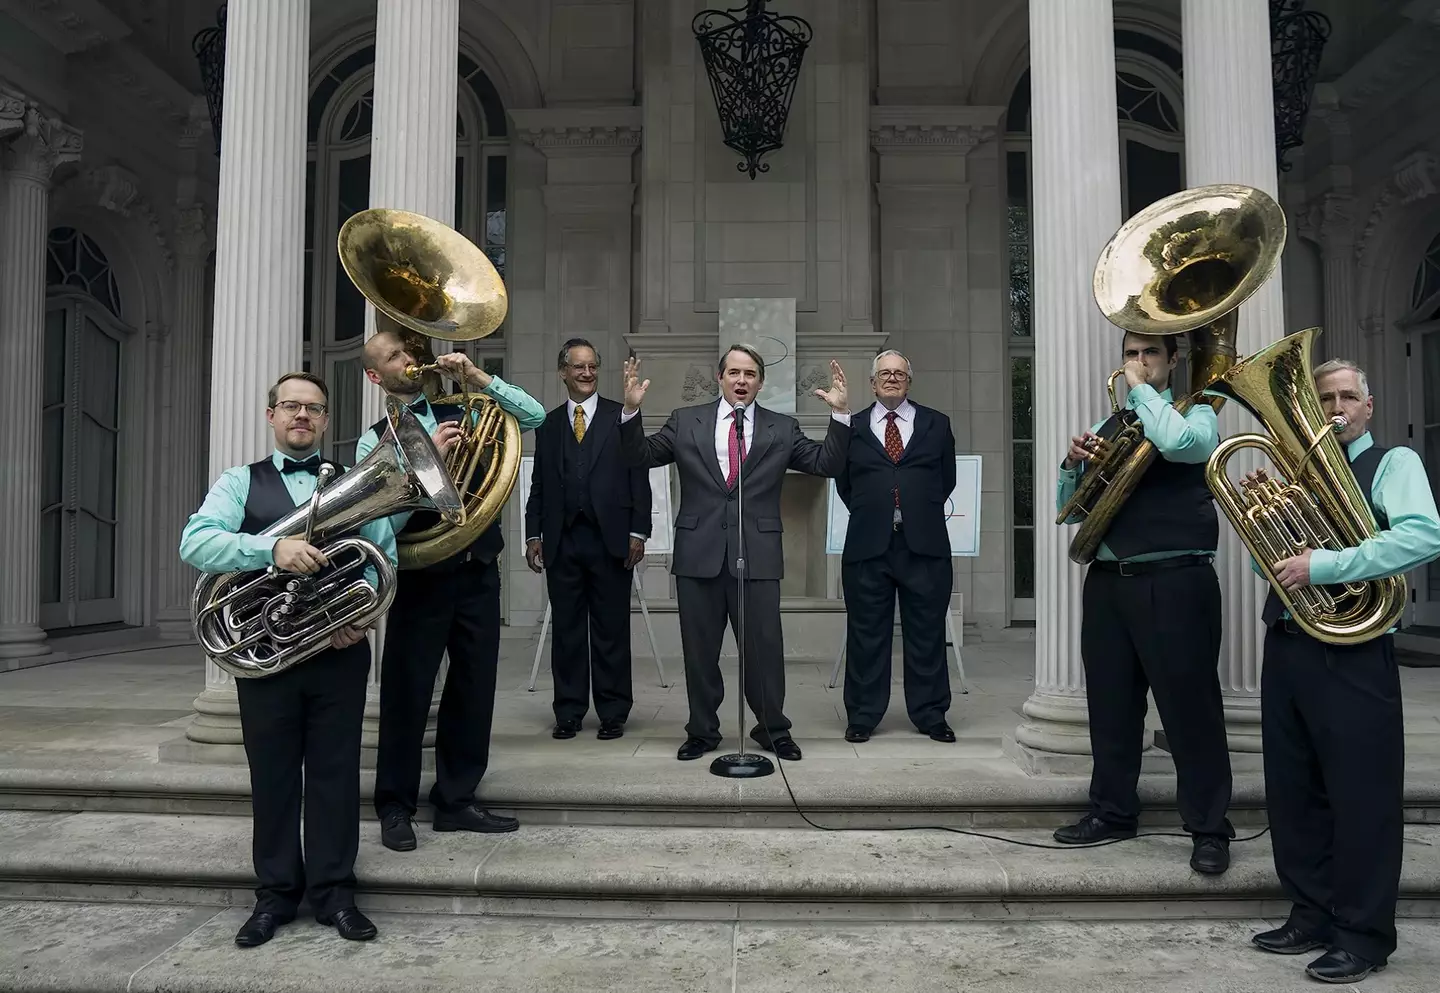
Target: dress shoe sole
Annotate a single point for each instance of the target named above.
(440, 826)
(692, 758)
(399, 846)
(1112, 836)
(247, 943)
(1288, 949)
(1338, 980)
(609, 735)
(370, 935)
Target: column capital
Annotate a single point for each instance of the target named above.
(192, 232)
(580, 131)
(1329, 221)
(1416, 176)
(947, 130)
(40, 144)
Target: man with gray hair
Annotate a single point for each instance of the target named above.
(1331, 718)
(897, 479)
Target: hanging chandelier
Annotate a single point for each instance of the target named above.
(209, 47)
(753, 63)
(1297, 40)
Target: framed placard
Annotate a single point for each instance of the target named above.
(662, 517)
(962, 512)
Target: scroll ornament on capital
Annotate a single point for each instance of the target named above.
(40, 145)
(192, 231)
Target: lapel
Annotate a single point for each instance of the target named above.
(703, 428)
(863, 428)
(607, 419)
(922, 424)
(764, 436)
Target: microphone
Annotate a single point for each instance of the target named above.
(739, 407)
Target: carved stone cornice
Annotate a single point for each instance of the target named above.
(116, 189)
(948, 130)
(1414, 178)
(40, 145)
(139, 82)
(1386, 67)
(580, 131)
(69, 26)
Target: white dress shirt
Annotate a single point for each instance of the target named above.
(588, 405)
(904, 420)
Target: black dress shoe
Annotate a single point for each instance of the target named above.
(1089, 829)
(565, 729)
(1287, 940)
(1340, 966)
(1211, 854)
(784, 747)
(942, 732)
(259, 929)
(474, 818)
(396, 831)
(857, 733)
(350, 923)
(694, 748)
(610, 730)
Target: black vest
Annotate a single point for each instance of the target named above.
(488, 544)
(1364, 466)
(1171, 509)
(269, 500)
(577, 455)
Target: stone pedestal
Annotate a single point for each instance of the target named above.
(1074, 145)
(258, 261)
(31, 147)
(1230, 138)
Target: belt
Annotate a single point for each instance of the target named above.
(1152, 565)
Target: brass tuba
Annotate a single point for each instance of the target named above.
(1319, 505)
(1183, 264)
(430, 281)
(258, 623)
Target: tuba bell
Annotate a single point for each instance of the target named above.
(259, 623)
(430, 281)
(1182, 265)
(1317, 505)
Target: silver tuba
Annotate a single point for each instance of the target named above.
(262, 622)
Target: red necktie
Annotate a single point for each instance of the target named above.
(894, 447)
(737, 449)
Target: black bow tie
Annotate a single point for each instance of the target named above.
(420, 406)
(310, 465)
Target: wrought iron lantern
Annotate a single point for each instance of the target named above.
(1297, 40)
(209, 47)
(753, 63)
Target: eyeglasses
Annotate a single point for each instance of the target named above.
(587, 367)
(292, 407)
(897, 375)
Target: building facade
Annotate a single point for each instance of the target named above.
(949, 173)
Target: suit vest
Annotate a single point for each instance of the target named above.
(1364, 466)
(488, 544)
(269, 500)
(577, 456)
(1170, 509)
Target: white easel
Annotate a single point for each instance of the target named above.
(952, 642)
(649, 629)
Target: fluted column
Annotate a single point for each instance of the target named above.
(1076, 210)
(1230, 138)
(412, 144)
(1337, 248)
(37, 145)
(183, 481)
(260, 237)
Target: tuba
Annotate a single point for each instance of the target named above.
(430, 281)
(1184, 264)
(262, 622)
(1318, 505)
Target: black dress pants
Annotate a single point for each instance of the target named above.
(590, 637)
(923, 584)
(1334, 739)
(458, 610)
(1158, 631)
(302, 738)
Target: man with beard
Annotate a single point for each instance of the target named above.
(454, 605)
(301, 724)
(585, 524)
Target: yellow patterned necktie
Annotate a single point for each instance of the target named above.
(579, 424)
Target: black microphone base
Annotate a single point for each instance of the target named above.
(747, 766)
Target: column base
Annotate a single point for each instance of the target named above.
(1055, 738)
(173, 624)
(22, 641)
(1242, 723)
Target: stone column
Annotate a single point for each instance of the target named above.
(1074, 148)
(259, 263)
(1230, 138)
(1337, 248)
(412, 144)
(37, 145)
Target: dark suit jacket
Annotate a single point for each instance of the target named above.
(925, 476)
(705, 524)
(619, 493)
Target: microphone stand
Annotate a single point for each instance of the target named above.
(739, 765)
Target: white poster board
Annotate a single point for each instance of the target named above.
(962, 512)
(662, 519)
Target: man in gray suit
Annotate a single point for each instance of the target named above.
(713, 445)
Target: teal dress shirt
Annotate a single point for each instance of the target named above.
(512, 399)
(211, 541)
(1401, 491)
(1188, 437)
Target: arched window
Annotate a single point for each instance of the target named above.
(337, 185)
(1149, 108)
(1421, 327)
(81, 416)
(1425, 297)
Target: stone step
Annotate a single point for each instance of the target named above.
(678, 873)
(118, 948)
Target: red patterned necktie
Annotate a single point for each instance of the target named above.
(737, 449)
(894, 448)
